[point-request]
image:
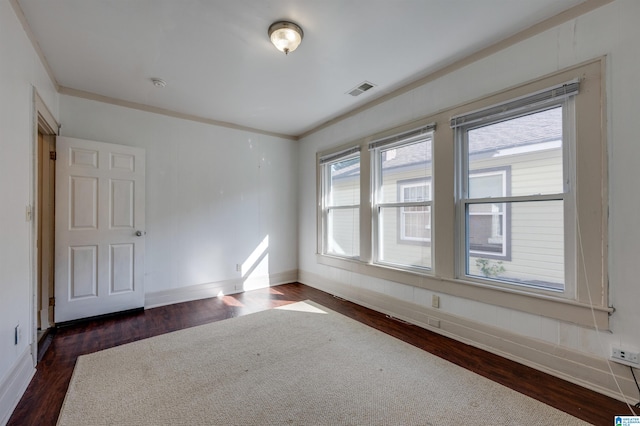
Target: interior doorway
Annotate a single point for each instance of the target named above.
(46, 243)
(44, 215)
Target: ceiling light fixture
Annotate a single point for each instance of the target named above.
(285, 36)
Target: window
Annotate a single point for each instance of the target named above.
(415, 221)
(489, 228)
(529, 142)
(341, 203)
(401, 186)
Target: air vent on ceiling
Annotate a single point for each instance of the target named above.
(361, 88)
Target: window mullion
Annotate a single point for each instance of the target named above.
(375, 184)
(343, 207)
(515, 199)
(406, 204)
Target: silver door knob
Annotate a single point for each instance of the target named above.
(138, 233)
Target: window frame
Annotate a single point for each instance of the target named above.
(376, 148)
(567, 196)
(327, 203)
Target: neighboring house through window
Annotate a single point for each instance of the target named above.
(402, 200)
(341, 203)
(415, 221)
(489, 223)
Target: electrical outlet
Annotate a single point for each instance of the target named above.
(435, 301)
(237, 267)
(625, 357)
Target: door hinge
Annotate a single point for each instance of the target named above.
(53, 155)
(52, 301)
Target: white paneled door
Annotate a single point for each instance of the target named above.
(100, 228)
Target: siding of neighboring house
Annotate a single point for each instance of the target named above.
(397, 250)
(346, 222)
(536, 237)
(346, 225)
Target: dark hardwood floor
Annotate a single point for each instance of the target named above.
(41, 403)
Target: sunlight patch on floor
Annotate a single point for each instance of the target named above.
(232, 301)
(301, 307)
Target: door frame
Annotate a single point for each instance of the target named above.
(45, 216)
(44, 123)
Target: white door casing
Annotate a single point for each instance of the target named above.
(100, 228)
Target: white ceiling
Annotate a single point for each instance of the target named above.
(218, 63)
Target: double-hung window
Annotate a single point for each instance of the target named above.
(340, 181)
(402, 199)
(515, 186)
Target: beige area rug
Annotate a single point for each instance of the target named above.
(301, 365)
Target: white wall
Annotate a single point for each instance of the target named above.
(20, 71)
(213, 193)
(610, 30)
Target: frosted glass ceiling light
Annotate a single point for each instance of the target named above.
(285, 36)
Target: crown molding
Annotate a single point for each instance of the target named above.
(170, 113)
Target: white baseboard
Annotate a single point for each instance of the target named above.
(576, 367)
(13, 386)
(204, 291)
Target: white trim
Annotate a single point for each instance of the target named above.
(213, 289)
(576, 367)
(68, 91)
(13, 386)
